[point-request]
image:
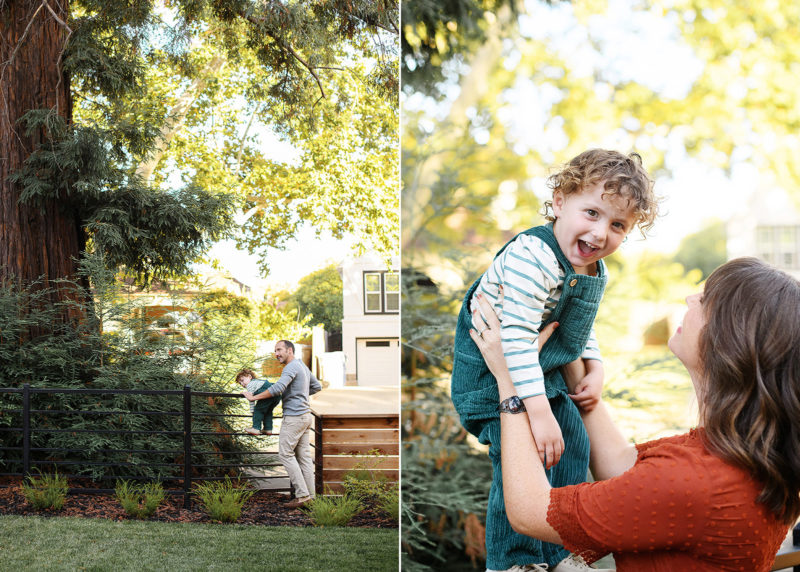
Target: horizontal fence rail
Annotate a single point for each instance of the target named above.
(189, 460)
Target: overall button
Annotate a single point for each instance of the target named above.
(573, 282)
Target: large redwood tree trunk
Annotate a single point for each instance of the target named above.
(41, 241)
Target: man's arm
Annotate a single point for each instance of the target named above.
(314, 385)
(277, 388)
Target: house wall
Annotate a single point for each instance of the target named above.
(357, 326)
(768, 212)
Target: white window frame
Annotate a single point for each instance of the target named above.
(383, 293)
(779, 245)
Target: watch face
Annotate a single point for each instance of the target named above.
(512, 405)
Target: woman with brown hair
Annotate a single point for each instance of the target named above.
(721, 497)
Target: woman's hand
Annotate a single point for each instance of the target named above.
(488, 337)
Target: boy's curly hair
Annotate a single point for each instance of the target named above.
(245, 372)
(623, 175)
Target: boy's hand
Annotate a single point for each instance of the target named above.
(545, 429)
(249, 396)
(587, 393)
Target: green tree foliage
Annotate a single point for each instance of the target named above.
(435, 32)
(278, 322)
(319, 295)
(445, 480)
(744, 106)
(159, 142)
(704, 250)
(128, 354)
(229, 323)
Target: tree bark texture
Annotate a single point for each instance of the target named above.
(35, 241)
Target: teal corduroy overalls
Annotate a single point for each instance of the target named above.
(475, 396)
(262, 413)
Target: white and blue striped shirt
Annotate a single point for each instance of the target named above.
(532, 281)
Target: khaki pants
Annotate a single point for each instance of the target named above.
(294, 452)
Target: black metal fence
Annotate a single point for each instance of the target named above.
(190, 462)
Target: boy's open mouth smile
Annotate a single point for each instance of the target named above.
(587, 248)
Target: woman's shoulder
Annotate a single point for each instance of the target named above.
(687, 454)
(690, 439)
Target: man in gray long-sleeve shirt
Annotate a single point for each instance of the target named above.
(294, 386)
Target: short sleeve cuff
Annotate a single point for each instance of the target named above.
(562, 515)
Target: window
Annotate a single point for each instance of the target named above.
(381, 292)
(391, 283)
(779, 245)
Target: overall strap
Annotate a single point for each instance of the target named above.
(588, 288)
(545, 233)
(531, 231)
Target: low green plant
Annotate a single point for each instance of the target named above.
(222, 500)
(139, 500)
(332, 510)
(389, 502)
(46, 491)
(364, 482)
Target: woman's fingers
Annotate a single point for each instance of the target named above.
(476, 338)
(546, 332)
(489, 317)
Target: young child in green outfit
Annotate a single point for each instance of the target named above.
(262, 409)
(550, 273)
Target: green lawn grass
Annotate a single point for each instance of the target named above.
(67, 543)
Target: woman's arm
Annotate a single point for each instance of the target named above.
(610, 453)
(525, 488)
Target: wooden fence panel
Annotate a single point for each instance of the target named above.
(360, 448)
(347, 441)
(356, 436)
(362, 422)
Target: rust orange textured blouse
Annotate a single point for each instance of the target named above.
(678, 508)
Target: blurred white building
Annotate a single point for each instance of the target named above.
(767, 227)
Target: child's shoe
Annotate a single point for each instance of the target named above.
(267, 433)
(575, 563)
(252, 431)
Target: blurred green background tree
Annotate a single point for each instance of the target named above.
(319, 296)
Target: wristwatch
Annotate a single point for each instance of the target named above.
(511, 405)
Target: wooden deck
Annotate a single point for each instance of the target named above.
(352, 425)
(357, 401)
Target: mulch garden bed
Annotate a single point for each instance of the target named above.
(264, 508)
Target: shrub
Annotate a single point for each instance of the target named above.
(46, 491)
(389, 502)
(364, 483)
(139, 501)
(116, 348)
(332, 510)
(223, 500)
